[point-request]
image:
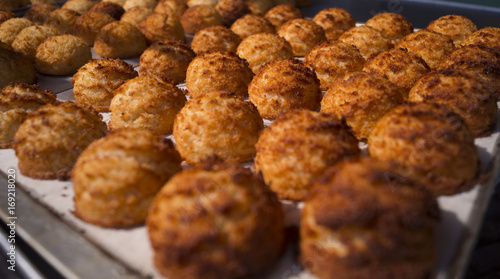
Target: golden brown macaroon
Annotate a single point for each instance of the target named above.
(146, 102)
(10, 28)
(283, 85)
(95, 83)
(15, 67)
(157, 27)
(168, 59)
(430, 143)
(393, 26)
(88, 25)
(13, 4)
(332, 60)
(79, 6)
(48, 143)
(261, 48)
(483, 60)
(218, 71)
(401, 67)
(363, 221)
(455, 27)
(299, 146)
(260, 7)
(198, 17)
(117, 177)
(39, 13)
(488, 36)
(463, 92)
(431, 46)
(63, 20)
(335, 21)
(219, 123)
(362, 99)
(129, 4)
(17, 101)
(62, 55)
(6, 15)
(112, 9)
(251, 24)
(28, 40)
(368, 40)
(119, 39)
(280, 14)
(302, 34)
(215, 38)
(135, 15)
(215, 221)
(191, 3)
(178, 7)
(231, 10)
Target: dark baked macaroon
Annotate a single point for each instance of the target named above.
(112, 9)
(231, 10)
(15, 67)
(335, 21)
(6, 15)
(393, 26)
(456, 27)
(302, 34)
(89, 24)
(215, 38)
(251, 24)
(119, 39)
(368, 40)
(198, 17)
(215, 221)
(280, 14)
(488, 36)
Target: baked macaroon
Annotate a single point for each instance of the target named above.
(13, 4)
(218, 71)
(116, 178)
(231, 10)
(157, 27)
(251, 24)
(310, 141)
(261, 48)
(332, 60)
(62, 20)
(28, 40)
(112, 9)
(393, 26)
(129, 4)
(280, 14)
(260, 7)
(363, 220)
(283, 85)
(368, 40)
(488, 36)
(463, 92)
(11, 27)
(219, 123)
(119, 39)
(89, 24)
(215, 221)
(168, 59)
(39, 13)
(17, 101)
(146, 102)
(95, 83)
(429, 143)
(456, 27)
(191, 3)
(119, 2)
(198, 17)
(215, 38)
(302, 34)
(135, 15)
(50, 140)
(6, 15)
(166, 6)
(335, 21)
(15, 67)
(79, 6)
(62, 55)
(433, 47)
(362, 99)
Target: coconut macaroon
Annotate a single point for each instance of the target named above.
(39, 13)
(117, 177)
(17, 101)
(231, 10)
(431, 46)
(112, 9)
(62, 55)
(119, 39)
(283, 85)
(335, 21)
(146, 102)
(167, 59)
(15, 67)
(215, 221)
(28, 40)
(368, 40)
(136, 15)
(362, 99)
(198, 17)
(429, 143)
(260, 7)
(191, 3)
(218, 71)
(280, 14)
(95, 83)
(310, 141)
(79, 6)
(302, 34)
(89, 24)
(129, 4)
(157, 27)
(6, 15)
(178, 7)
(393, 26)
(219, 123)
(364, 219)
(50, 140)
(261, 48)
(455, 27)
(251, 24)
(10, 28)
(487, 36)
(12, 4)
(215, 38)
(464, 93)
(62, 20)
(401, 67)
(332, 60)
